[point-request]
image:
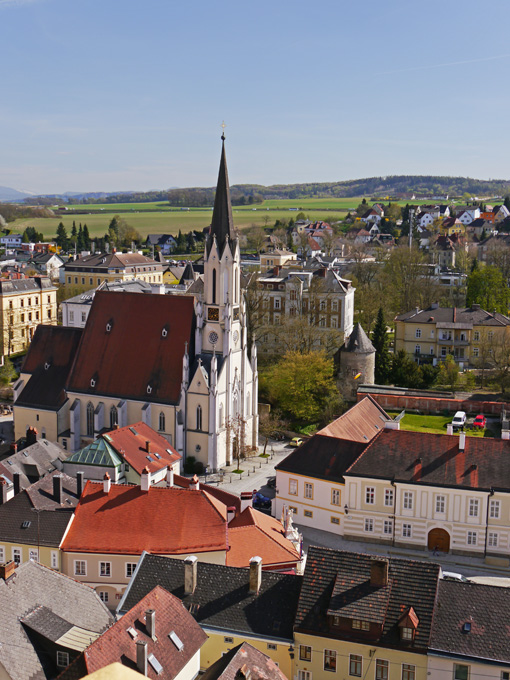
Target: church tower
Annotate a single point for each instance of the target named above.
(221, 343)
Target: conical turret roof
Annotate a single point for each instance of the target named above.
(358, 342)
(222, 225)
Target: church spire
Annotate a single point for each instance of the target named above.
(222, 225)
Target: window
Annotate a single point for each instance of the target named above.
(460, 672)
(130, 569)
(443, 351)
(388, 497)
(293, 487)
(382, 669)
(277, 303)
(476, 351)
(22, 303)
(105, 568)
(305, 653)
(334, 305)
(228, 640)
(272, 646)
(388, 527)
(199, 417)
(407, 633)
(304, 675)
(103, 596)
(355, 664)
(440, 504)
(357, 624)
(90, 419)
(492, 539)
(22, 318)
(406, 530)
(490, 335)
(334, 322)
(293, 509)
(505, 675)
(62, 659)
(474, 504)
(329, 660)
(49, 313)
(494, 509)
(114, 417)
(308, 513)
(16, 556)
(54, 559)
(80, 568)
(162, 421)
(71, 315)
(418, 333)
(335, 496)
(30, 316)
(408, 500)
(335, 520)
(476, 336)
(369, 524)
(408, 671)
(308, 490)
(37, 316)
(322, 322)
(471, 537)
(370, 495)
(33, 555)
(322, 305)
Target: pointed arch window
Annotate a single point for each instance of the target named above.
(248, 405)
(225, 286)
(90, 419)
(114, 417)
(214, 286)
(162, 422)
(199, 417)
(221, 416)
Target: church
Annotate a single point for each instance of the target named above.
(179, 363)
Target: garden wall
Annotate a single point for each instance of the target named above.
(397, 402)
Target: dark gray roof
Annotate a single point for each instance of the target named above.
(32, 586)
(358, 342)
(35, 285)
(485, 608)
(222, 223)
(188, 273)
(34, 460)
(469, 316)
(222, 599)
(43, 621)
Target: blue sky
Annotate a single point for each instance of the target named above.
(104, 95)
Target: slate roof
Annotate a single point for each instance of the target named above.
(104, 261)
(485, 608)
(358, 342)
(244, 661)
(45, 527)
(255, 533)
(33, 462)
(411, 584)
(435, 459)
(322, 457)
(222, 599)
(128, 521)
(32, 586)
(35, 285)
(150, 358)
(360, 423)
(468, 316)
(222, 223)
(49, 360)
(116, 644)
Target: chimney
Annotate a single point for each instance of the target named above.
(16, 478)
(141, 657)
(323, 272)
(57, 488)
(31, 436)
(3, 491)
(449, 429)
(148, 446)
(107, 483)
(79, 483)
(7, 569)
(145, 479)
(194, 483)
(150, 623)
(190, 574)
(255, 574)
(379, 573)
(417, 469)
(231, 513)
(462, 441)
(169, 476)
(14, 448)
(246, 500)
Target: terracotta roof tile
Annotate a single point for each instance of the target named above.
(360, 423)
(229, 499)
(133, 447)
(244, 661)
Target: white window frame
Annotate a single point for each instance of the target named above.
(16, 552)
(379, 666)
(335, 496)
(370, 495)
(408, 671)
(388, 527)
(476, 336)
(355, 658)
(105, 567)
(293, 487)
(54, 559)
(368, 526)
(417, 333)
(130, 566)
(62, 659)
(103, 596)
(2, 553)
(408, 500)
(388, 498)
(492, 539)
(440, 504)
(407, 530)
(77, 570)
(309, 491)
(495, 509)
(474, 507)
(472, 538)
(33, 554)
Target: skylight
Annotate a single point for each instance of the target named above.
(133, 430)
(26, 524)
(176, 640)
(151, 460)
(132, 632)
(155, 664)
(157, 455)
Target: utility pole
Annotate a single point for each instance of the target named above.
(411, 218)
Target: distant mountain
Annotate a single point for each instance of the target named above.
(8, 194)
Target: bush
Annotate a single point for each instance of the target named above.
(198, 468)
(189, 465)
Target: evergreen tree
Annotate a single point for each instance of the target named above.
(62, 239)
(382, 356)
(507, 202)
(404, 371)
(79, 240)
(74, 233)
(86, 237)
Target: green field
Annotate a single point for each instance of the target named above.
(414, 422)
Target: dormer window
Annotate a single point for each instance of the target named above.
(92, 382)
(108, 326)
(149, 389)
(408, 625)
(164, 332)
(46, 366)
(407, 633)
(357, 624)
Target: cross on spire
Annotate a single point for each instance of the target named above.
(223, 126)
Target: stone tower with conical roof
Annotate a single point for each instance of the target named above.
(357, 362)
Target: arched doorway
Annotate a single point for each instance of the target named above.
(439, 539)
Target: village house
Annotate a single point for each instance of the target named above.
(243, 661)
(165, 242)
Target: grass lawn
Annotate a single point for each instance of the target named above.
(437, 425)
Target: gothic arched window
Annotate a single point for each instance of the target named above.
(161, 422)
(221, 415)
(248, 405)
(114, 417)
(90, 419)
(199, 417)
(214, 286)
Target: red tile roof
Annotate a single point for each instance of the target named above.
(117, 644)
(254, 533)
(131, 443)
(229, 499)
(128, 521)
(151, 359)
(360, 423)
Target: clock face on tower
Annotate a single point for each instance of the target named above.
(236, 337)
(213, 337)
(213, 314)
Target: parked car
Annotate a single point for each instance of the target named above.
(296, 441)
(453, 576)
(480, 421)
(261, 502)
(459, 419)
(271, 482)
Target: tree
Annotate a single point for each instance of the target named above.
(487, 287)
(256, 238)
(62, 239)
(270, 425)
(404, 371)
(449, 372)
(303, 385)
(79, 240)
(7, 372)
(382, 356)
(408, 280)
(86, 237)
(507, 202)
